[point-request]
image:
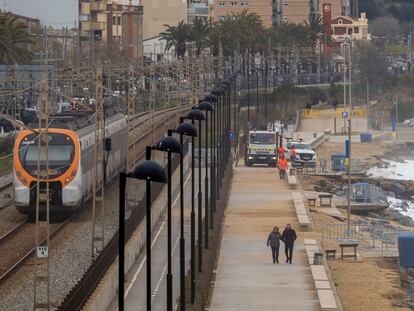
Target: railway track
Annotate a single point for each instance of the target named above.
(16, 246)
(5, 186)
(9, 202)
(156, 126)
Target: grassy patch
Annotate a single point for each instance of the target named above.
(397, 48)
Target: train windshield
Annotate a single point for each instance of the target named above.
(60, 153)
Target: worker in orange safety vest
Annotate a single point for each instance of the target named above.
(282, 165)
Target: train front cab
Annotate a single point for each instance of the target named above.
(65, 182)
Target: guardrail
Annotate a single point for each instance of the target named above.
(380, 238)
(332, 113)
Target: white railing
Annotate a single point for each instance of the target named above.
(382, 239)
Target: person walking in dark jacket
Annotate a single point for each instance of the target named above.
(274, 242)
(289, 237)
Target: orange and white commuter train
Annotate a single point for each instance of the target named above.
(71, 160)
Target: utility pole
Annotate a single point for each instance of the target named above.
(349, 135)
(194, 75)
(131, 113)
(165, 82)
(178, 78)
(98, 232)
(152, 99)
(344, 65)
(368, 106)
(396, 119)
(248, 60)
(220, 61)
(41, 258)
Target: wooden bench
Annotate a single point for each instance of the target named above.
(323, 197)
(348, 244)
(330, 254)
(312, 202)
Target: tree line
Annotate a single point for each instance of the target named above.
(243, 30)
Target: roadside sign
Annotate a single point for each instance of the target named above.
(249, 125)
(42, 252)
(345, 115)
(231, 135)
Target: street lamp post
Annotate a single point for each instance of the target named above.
(348, 46)
(206, 106)
(218, 146)
(150, 171)
(193, 115)
(188, 130)
(121, 242)
(212, 99)
(222, 92)
(170, 145)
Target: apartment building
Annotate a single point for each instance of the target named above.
(161, 12)
(199, 9)
(263, 8)
(297, 11)
(113, 25)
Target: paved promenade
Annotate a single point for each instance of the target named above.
(247, 280)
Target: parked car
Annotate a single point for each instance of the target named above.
(305, 155)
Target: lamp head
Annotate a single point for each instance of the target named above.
(168, 144)
(206, 106)
(196, 114)
(149, 170)
(216, 92)
(211, 98)
(226, 82)
(187, 129)
(224, 86)
(222, 90)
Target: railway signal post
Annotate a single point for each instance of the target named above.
(41, 290)
(98, 230)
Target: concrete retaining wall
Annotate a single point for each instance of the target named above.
(107, 289)
(320, 125)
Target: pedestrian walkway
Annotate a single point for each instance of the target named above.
(246, 279)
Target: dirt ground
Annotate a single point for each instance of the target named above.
(368, 154)
(370, 283)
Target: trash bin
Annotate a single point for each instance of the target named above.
(317, 258)
(366, 137)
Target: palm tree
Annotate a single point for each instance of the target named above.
(242, 29)
(199, 31)
(315, 25)
(14, 38)
(177, 37)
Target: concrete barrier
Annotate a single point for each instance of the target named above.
(320, 277)
(301, 211)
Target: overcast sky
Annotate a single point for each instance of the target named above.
(56, 13)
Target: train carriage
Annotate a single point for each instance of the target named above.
(71, 139)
